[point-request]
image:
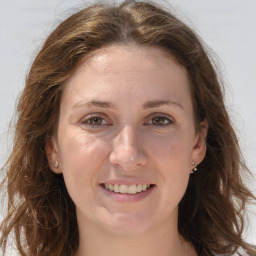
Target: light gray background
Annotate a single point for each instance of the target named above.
(227, 26)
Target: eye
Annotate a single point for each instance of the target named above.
(159, 121)
(93, 121)
(96, 120)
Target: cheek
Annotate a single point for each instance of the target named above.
(172, 152)
(171, 157)
(81, 157)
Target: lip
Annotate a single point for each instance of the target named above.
(123, 198)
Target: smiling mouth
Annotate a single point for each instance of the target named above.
(125, 189)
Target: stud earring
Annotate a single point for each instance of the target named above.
(56, 165)
(194, 169)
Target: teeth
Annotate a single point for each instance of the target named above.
(116, 188)
(139, 188)
(132, 189)
(124, 189)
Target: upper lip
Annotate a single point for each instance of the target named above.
(127, 181)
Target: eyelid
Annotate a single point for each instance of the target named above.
(107, 122)
(89, 116)
(166, 116)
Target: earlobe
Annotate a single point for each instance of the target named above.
(51, 149)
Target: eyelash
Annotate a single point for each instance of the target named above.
(85, 121)
(90, 117)
(164, 118)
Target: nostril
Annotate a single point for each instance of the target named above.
(126, 160)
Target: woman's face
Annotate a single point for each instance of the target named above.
(126, 123)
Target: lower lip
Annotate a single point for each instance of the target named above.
(128, 197)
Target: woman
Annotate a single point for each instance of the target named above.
(123, 143)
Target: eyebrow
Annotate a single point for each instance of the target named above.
(159, 103)
(147, 105)
(96, 103)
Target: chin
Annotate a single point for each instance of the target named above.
(126, 224)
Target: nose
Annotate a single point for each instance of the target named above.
(127, 152)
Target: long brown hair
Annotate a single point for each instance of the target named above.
(40, 211)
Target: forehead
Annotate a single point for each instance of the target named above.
(143, 71)
(118, 58)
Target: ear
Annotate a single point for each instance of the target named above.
(200, 146)
(52, 153)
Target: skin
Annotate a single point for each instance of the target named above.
(143, 132)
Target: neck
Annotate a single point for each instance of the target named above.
(165, 240)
